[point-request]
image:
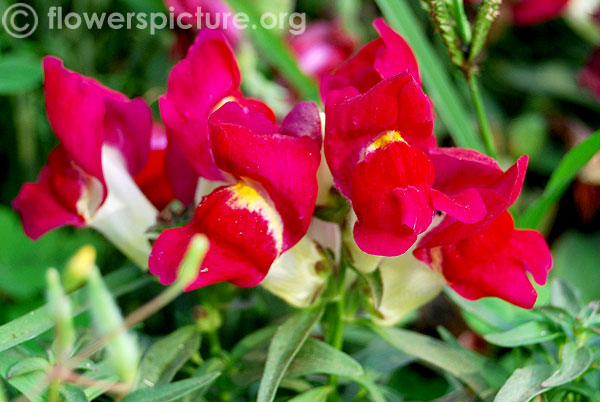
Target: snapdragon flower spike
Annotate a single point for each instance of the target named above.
(376, 146)
(266, 210)
(207, 78)
(379, 59)
(87, 118)
(489, 257)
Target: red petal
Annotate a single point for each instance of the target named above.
(243, 244)
(354, 122)
(495, 263)
(197, 84)
(51, 202)
(84, 115)
(396, 56)
(285, 165)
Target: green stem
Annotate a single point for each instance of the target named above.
(54, 391)
(484, 125)
(337, 312)
(215, 344)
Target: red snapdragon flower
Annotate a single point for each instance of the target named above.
(207, 78)
(268, 206)
(489, 257)
(321, 48)
(380, 148)
(91, 121)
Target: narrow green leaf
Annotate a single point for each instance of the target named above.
(524, 384)
(173, 391)
(480, 310)
(563, 175)
(319, 394)
(19, 73)
(27, 366)
(574, 362)
(165, 357)
(481, 375)
(437, 81)
(317, 357)
(29, 326)
(286, 343)
(526, 334)
(583, 389)
(273, 49)
(72, 393)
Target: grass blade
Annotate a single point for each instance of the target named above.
(563, 175)
(275, 50)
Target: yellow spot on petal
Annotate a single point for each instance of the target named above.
(223, 101)
(385, 139)
(246, 197)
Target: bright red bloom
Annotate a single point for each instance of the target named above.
(207, 78)
(376, 145)
(90, 120)
(495, 262)
(532, 12)
(379, 59)
(321, 48)
(489, 257)
(268, 207)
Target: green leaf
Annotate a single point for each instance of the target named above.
(36, 322)
(19, 73)
(274, 50)
(165, 357)
(71, 393)
(173, 391)
(436, 79)
(490, 313)
(563, 175)
(526, 334)
(252, 342)
(27, 366)
(22, 277)
(319, 394)
(317, 357)
(286, 343)
(574, 362)
(27, 384)
(524, 384)
(481, 375)
(565, 296)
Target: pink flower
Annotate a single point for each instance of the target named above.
(265, 210)
(321, 48)
(532, 12)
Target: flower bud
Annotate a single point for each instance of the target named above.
(123, 352)
(361, 261)
(60, 308)
(79, 267)
(208, 319)
(407, 285)
(298, 276)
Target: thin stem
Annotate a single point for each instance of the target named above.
(215, 343)
(337, 312)
(484, 125)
